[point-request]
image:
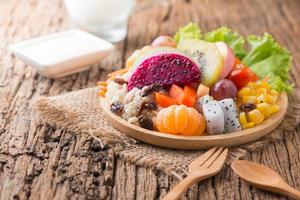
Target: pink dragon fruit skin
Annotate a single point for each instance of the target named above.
(165, 69)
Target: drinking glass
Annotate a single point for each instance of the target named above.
(107, 19)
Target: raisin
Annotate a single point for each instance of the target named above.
(146, 105)
(150, 106)
(247, 107)
(116, 107)
(155, 87)
(120, 80)
(146, 122)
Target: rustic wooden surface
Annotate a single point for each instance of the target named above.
(40, 162)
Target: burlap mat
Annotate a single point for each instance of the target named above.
(80, 112)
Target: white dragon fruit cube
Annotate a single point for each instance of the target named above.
(231, 117)
(214, 116)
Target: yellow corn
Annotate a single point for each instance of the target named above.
(249, 99)
(261, 98)
(252, 85)
(243, 118)
(264, 108)
(274, 92)
(261, 91)
(264, 84)
(248, 125)
(255, 116)
(245, 91)
(271, 99)
(274, 108)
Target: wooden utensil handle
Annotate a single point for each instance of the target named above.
(291, 192)
(180, 188)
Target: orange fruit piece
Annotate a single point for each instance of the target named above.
(180, 119)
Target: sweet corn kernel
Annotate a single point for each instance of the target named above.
(264, 108)
(252, 85)
(264, 84)
(249, 99)
(271, 99)
(274, 108)
(245, 91)
(255, 116)
(261, 91)
(274, 93)
(261, 99)
(243, 118)
(248, 125)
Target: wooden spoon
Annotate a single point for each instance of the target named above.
(263, 178)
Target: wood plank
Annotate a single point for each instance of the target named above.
(40, 162)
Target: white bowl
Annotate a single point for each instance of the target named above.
(62, 53)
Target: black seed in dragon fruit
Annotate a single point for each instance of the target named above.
(203, 100)
(165, 69)
(231, 117)
(214, 116)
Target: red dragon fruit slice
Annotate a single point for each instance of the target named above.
(165, 69)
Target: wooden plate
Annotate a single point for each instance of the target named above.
(197, 142)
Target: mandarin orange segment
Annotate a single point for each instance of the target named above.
(202, 126)
(159, 122)
(169, 120)
(193, 123)
(181, 118)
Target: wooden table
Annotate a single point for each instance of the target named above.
(41, 162)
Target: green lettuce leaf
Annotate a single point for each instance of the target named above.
(267, 58)
(233, 39)
(190, 31)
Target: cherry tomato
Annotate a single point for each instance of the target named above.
(240, 77)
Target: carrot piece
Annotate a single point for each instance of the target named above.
(189, 97)
(186, 95)
(102, 92)
(164, 100)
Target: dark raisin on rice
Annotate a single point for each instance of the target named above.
(247, 107)
(116, 107)
(120, 80)
(155, 87)
(146, 105)
(150, 106)
(146, 122)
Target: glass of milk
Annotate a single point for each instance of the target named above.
(105, 18)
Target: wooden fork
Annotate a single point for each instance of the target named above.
(207, 165)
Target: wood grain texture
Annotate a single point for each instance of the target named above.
(263, 177)
(41, 162)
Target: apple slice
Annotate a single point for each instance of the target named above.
(228, 58)
(208, 57)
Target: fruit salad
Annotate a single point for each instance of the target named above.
(193, 84)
